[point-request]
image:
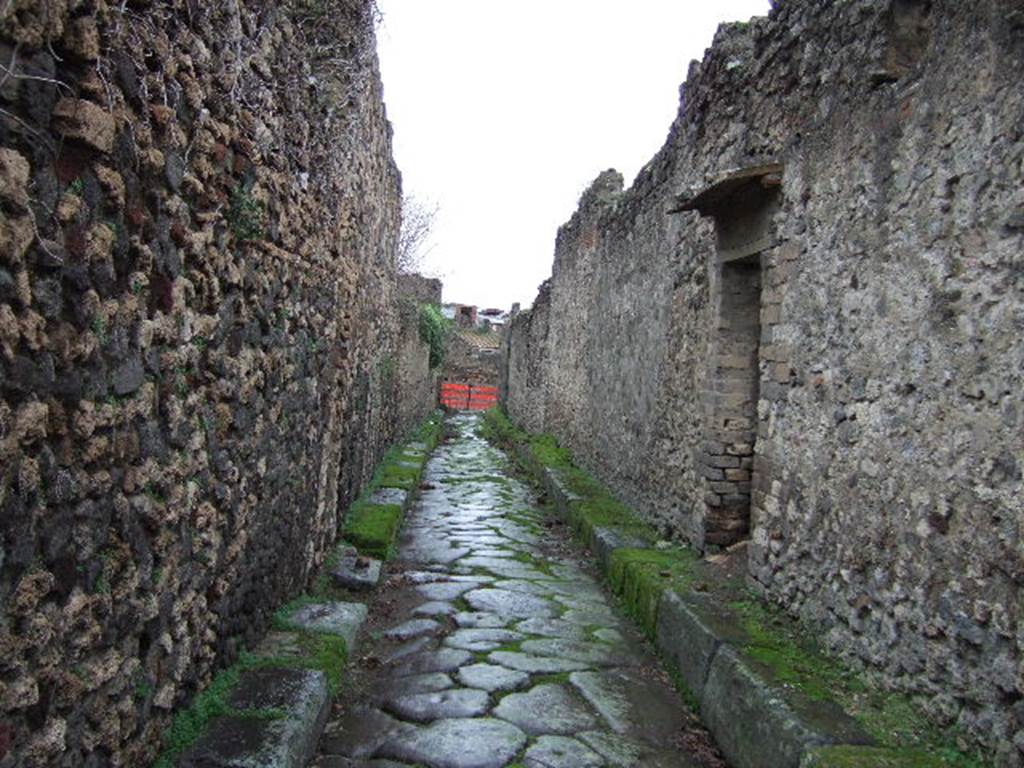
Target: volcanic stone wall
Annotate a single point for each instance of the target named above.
(417, 382)
(198, 216)
(802, 325)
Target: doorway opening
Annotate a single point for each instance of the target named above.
(743, 205)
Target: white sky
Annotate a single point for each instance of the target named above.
(505, 111)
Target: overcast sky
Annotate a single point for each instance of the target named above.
(505, 111)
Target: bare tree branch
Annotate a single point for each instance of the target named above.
(418, 219)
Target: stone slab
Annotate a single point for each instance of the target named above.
(547, 709)
(438, 705)
(333, 618)
(480, 742)
(689, 632)
(356, 572)
(360, 733)
(756, 727)
(604, 542)
(287, 742)
(629, 704)
(561, 752)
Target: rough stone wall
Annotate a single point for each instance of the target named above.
(198, 215)
(472, 358)
(886, 484)
(417, 382)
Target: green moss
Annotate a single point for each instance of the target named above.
(317, 650)
(685, 692)
(872, 757)
(777, 645)
(395, 475)
(639, 576)
(482, 478)
(189, 724)
(435, 330)
(372, 528)
(554, 678)
(780, 649)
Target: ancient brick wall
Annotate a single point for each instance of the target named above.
(197, 307)
(803, 319)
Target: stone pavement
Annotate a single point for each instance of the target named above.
(492, 644)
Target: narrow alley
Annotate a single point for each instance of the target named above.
(492, 643)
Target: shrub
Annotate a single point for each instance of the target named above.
(435, 329)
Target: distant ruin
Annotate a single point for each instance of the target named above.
(801, 328)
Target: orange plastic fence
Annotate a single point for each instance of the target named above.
(468, 397)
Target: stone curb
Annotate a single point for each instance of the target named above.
(756, 723)
(238, 741)
(295, 703)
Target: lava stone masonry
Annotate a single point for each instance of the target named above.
(198, 344)
(865, 423)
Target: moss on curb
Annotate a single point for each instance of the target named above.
(323, 652)
(778, 647)
(372, 528)
(871, 757)
(639, 576)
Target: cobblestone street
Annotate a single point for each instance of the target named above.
(492, 643)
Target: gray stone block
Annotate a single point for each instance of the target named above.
(690, 631)
(606, 540)
(356, 572)
(335, 618)
(756, 726)
(247, 742)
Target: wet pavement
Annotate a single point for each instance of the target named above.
(493, 644)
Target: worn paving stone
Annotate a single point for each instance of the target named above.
(499, 611)
(481, 620)
(620, 752)
(355, 572)
(445, 590)
(511, 604)
(436, 705)
(491, 677)
(459, 743)
(630, 704)
(552, 628)
(547, 708)
(360, 732)
(561, 752)
(335, 618)
(286, 742)
(417, 645)
(427, 682)
(412, 628)
(594, 653)
(481, 639)
(526, 662)
(443, 660)
(434, 608)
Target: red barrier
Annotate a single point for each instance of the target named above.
(468, 397)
